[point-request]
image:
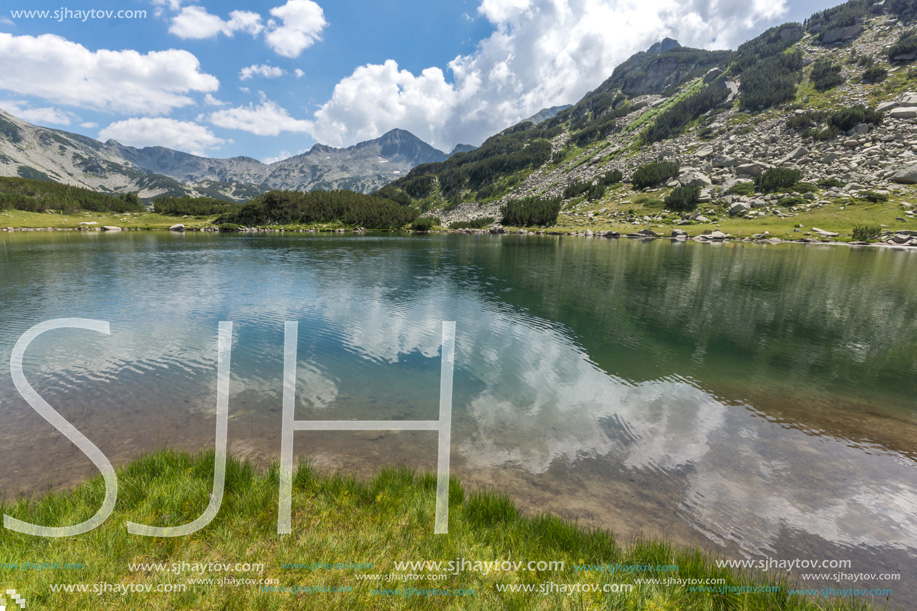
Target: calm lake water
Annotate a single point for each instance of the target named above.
(758, 401)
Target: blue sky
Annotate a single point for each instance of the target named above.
(269, 79)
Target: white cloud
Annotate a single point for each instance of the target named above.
(299, 73)
(303, 21)
(263, 70)
(266, 119)
(38, 116)
(180, 135)
(65, 72)
(280, 157)
(209, 100)
(7, 21)
(541, 53)
(196, 22)
(89, 124)
(377, 98)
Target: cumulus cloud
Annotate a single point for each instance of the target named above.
(146, 131)
(209, 100)
(39, 116)
(299, 73)
(303, 21)
(266, 119)
(196, 22)
(66, 72)
(263, 70)
(541, 53)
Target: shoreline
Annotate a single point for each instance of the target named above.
(908, 241)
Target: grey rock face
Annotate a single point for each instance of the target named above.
(906, 175)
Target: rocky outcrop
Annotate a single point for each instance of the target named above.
(906, 175)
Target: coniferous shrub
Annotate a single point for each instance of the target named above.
(294, 207)
(683, 199)
(191, 206)
(424, 223)
(771, 81)
(742, 188)
(906, 45)
(848, 118)
(654, 174)
(473, 224)
(826, 75)
(530, 211)
(875, 74)
(674, 119)
(872, 196)
(39, 195)
(777, 179)
(865, 233)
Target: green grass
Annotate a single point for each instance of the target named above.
(337, 519)
(144, 220)
(840, 216)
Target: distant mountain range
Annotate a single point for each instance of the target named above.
(38, 152)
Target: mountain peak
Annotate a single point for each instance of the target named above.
(666, 44)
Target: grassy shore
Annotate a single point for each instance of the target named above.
(337, 519)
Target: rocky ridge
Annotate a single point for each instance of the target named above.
(877, 158)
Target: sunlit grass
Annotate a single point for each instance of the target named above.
(338, 519)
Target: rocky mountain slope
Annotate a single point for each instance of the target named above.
(37, 152)
(782, 100)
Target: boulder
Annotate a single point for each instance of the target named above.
(177, 227)
(824, 234)
(840, 34)
(678, 232)
(725, 161)
(89, 223)
(693, 178)
(751, 169)
(906, 175)
(903, 112)
(110, 228)
(739, 208)
(712, 73)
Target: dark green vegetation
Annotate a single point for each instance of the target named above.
(826, 75)
(530, 211)
(875, 74)
(683, 199)
(338, 519)
(40, 195)
(654, 174)
(476, 173)
(192, 206)
(865, 233)
(296, 208)
(676, 118)
(594, 189)
(473, 224)
(777, 180)
(906, 45)
(424, 223)
(873, 197)
(825, 125)
(768, 70)
(742, 188)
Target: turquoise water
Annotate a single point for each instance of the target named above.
(755, 400)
